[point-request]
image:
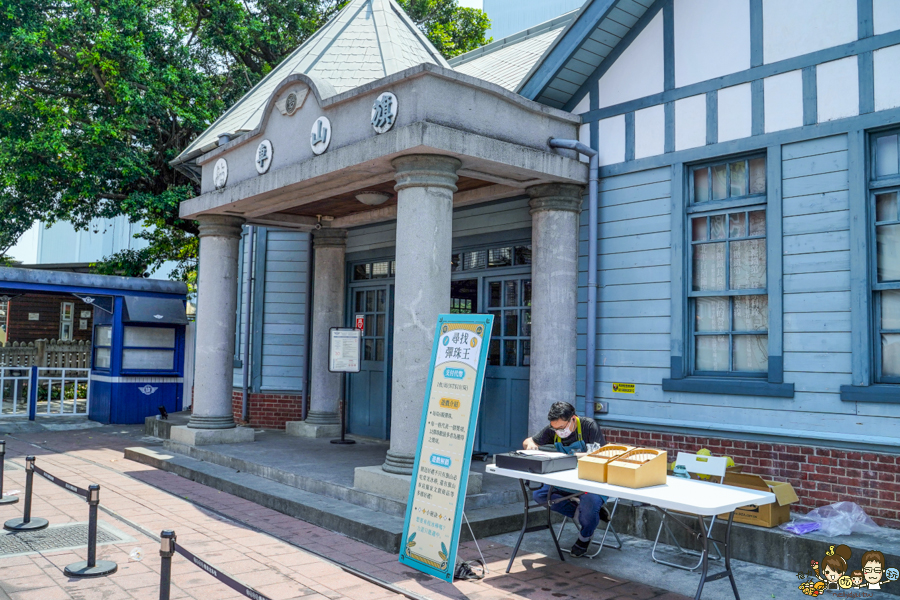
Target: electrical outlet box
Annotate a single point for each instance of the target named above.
(601, 408)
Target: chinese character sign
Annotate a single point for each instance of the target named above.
(447, 432)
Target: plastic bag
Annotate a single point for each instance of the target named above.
(842, 518)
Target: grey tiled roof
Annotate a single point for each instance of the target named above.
(367, 40)
(505, 62)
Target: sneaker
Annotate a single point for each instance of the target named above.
(604, 514)
(580, 548)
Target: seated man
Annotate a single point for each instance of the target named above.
(573, 433)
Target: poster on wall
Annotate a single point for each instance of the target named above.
(447, 432)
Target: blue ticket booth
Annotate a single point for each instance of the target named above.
(138, 358)
(138, 347)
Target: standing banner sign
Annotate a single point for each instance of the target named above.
(437, 494)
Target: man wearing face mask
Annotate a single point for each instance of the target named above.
(569, 432)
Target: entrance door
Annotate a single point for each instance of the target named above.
(503, 422)
(369, 390)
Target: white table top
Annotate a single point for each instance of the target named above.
(685, 495)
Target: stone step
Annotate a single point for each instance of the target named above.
(372, 501)
(372, 526)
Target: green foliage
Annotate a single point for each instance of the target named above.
(97, 96)
(452, 29)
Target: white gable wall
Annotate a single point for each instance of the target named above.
(795, 27)
(887, 83)
(784, 101)
(735, 112)
(886, 14)
(712, 38)
(645, 57)
(690, 122)
(650, 131)
(612, 140)
(837, 93)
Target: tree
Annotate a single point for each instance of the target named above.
(97, 96)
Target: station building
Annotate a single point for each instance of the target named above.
(747, 227)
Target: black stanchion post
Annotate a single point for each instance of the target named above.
(8, 499)
(166, 551)
(91, 567)
(26, 522)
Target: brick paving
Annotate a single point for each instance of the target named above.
(266, 558)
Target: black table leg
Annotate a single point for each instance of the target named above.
(705, 539)
(550, 524)
(728, 556)
(526, 493)
(704, 542)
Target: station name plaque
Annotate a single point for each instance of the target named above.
(447, 432)
(344, 349)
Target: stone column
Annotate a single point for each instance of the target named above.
(212, 418)
(554, 284)
(425, 187)
(324, 418)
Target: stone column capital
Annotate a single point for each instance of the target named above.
(329, 238)
(426, 170)
(556, 196)
(220, 225)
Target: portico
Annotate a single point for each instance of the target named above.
(409, 154)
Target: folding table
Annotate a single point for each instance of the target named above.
(682, 495)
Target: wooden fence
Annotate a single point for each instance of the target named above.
(47, 353)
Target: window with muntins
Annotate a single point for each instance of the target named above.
(884, 188)
(728, 302)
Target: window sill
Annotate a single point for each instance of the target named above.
(735, 387)
(871, 393)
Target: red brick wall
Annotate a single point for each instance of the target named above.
(820, 475)
(269, 411)
(47, 326)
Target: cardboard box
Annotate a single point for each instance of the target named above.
(768, 515)
(593, 466)
(638, 468)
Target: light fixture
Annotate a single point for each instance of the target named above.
(371, 198)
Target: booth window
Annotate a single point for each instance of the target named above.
(728, 300)
(885, 197)
(66, 320)
(102, 346)
(148, 349)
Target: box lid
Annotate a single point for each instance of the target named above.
(784, 491)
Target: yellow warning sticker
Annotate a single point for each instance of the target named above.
(623, 388)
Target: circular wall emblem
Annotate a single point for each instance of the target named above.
(320, 136)
(263, 156)
(384, 112)
(220, 173)
(290, 104)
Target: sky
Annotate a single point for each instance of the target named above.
(471, 3)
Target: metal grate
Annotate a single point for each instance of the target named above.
(58, 537)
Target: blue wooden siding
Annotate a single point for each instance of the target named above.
(634, 249)
(634, 312)
(280, 325)
(816, 263)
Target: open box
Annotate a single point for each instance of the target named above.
(768, 515)
(638, 468)
(593, 466)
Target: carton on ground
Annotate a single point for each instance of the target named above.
(593, 466)
(769, 515)
(638, 468)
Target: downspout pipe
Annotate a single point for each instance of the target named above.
(593, 188)
(245, 359)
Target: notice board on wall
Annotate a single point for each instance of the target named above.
(446, 435)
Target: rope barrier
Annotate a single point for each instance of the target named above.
(168, 547)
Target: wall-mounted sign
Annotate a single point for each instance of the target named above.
(34, 316)
(82, 324)
(344, 350)
(623, 388)
(85, 314)
(384, 112)
(220, 173)
(360, 322)
(263, 158)
(320, 136)
(437, 494)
